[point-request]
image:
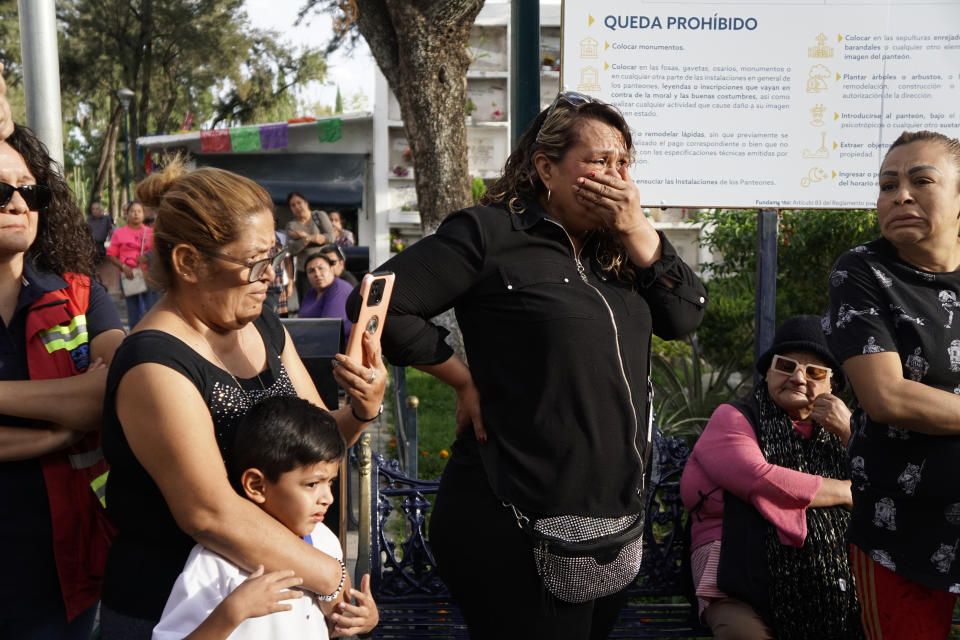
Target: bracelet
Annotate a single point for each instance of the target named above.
(360, 419)
(343, 578)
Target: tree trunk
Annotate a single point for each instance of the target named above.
(142, 104)
(112, 181)
(421, 49)
(166, 112)
(107, 152)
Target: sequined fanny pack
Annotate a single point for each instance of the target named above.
(581, 558)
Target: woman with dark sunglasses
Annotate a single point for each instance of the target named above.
(179, 386)
(558, 280)
(58, 330)
(768, 491)
(895, 325)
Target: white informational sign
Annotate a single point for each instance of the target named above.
(768, 103)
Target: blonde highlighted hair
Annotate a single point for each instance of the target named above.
(206, 208)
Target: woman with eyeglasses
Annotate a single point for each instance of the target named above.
(894, 323)
(768, 491)
(558, 281)
(59, 329)
(180, 384)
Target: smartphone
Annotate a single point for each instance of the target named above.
(375, 290)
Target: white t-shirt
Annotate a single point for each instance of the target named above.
(208, 578)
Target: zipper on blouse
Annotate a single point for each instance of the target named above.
(616, 335)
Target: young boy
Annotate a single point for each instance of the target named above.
(286, 454)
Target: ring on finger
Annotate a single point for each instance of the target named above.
(373, 376)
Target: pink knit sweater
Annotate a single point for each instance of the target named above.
(727, 455)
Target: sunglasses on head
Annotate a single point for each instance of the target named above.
(785, 365)
(37, 196)
(571, 98)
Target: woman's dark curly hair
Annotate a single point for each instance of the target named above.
(63, 241)
(553, 132)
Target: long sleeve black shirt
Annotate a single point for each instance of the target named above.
(559, 353)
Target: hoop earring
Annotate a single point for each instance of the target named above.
(548, 195)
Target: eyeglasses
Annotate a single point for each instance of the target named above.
(37, 196)
(572, 98)
(257, 267)
(787, 366)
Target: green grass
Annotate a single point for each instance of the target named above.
(435, 422)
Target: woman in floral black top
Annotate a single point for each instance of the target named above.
(894, 322)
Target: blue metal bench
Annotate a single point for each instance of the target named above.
(413, 601)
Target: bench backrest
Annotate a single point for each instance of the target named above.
(317, 340)
(665, 571)
(401, 564)
(357, 260)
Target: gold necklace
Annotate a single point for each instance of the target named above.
(217, 356)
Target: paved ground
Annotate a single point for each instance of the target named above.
(110, 277)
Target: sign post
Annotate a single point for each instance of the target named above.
(41, 72)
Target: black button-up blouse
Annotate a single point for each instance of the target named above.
(558, 349)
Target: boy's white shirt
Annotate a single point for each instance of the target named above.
(208, 578)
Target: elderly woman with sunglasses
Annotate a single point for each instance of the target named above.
(180, 384)
(768, 491)
(58, 328)
(894, 322)
(558, 281)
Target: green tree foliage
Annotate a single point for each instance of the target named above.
(687, 388)
(10, 57)
(261, 88)
(178, 56)
(692, 377)
(808, 243)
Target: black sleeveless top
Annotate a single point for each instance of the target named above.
(150, 549)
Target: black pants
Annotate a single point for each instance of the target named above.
(302, 285)
(487, 563)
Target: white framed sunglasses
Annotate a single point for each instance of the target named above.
(785, 365)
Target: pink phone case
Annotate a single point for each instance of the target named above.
(372, 316)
